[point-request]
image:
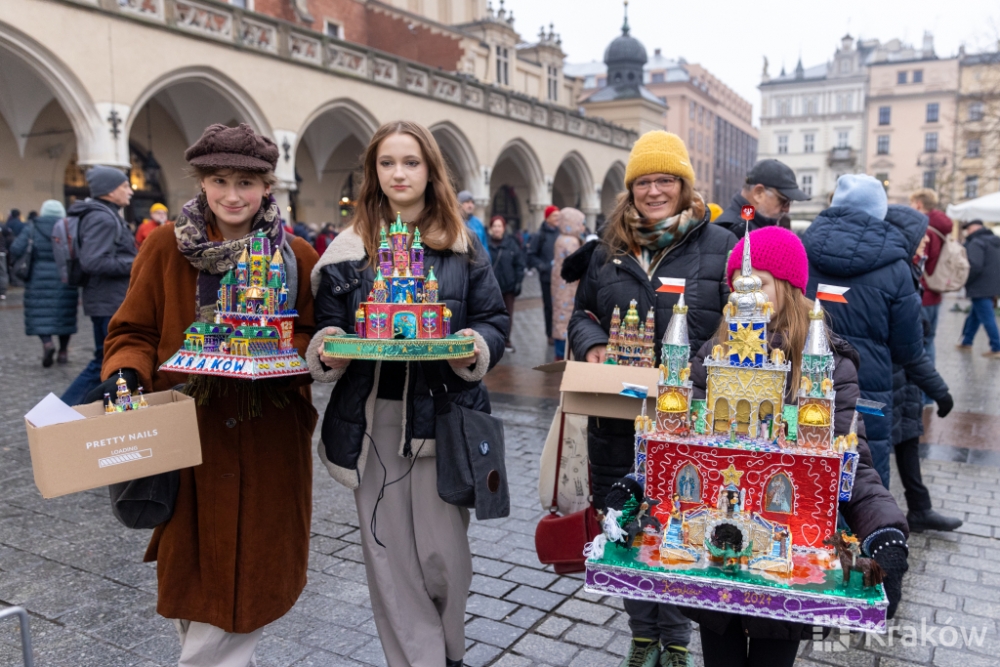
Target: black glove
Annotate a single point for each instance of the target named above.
(889, 550)
(945, 404)
(110, 386)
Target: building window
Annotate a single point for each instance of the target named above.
(901, 77)
(701, 115)
(244, 4)
(973, 147)
(883, 144)
(845, 102)
(918, 76)
(691, 110)
(884, 115)
(844, 139)
(782, 143)
(930, 179)
(503, 61)
(553, 80)
(807, 184)
(883, 178)
(691, 139)
(976, 111)
(845, 66)
(808, 143)
(809, 105)
(933, 112)
(783, 107)
(657, 77)
(333, 29)
(971, 187)
(931, 142)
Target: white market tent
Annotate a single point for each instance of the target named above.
(985, 208)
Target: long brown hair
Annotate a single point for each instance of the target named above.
(790, 323)
(619, 230)
(440, 222)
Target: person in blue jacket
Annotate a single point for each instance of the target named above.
(851, 245)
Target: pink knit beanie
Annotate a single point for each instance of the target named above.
(775, 250)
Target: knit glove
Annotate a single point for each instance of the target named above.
(888, 547)
(945, 404)
(110, 386)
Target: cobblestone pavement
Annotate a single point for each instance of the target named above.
(92, 600)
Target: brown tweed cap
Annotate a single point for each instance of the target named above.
(223, 147)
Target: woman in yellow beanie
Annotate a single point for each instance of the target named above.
(659, 229)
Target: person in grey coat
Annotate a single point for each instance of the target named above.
(106, 252)
(49, 303)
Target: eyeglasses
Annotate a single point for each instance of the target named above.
(662, 183)
(782, 199)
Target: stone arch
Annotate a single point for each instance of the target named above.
(518, 181)
(611, 186)
(461, 158)
(327, 160)
(28, 57)
(196, 79)
(573, 184)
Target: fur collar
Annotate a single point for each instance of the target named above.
(349, 247)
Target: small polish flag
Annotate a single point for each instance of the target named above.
(634, 390)
(831, 293)
(672, 285)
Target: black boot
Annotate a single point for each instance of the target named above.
(931, 520)
(452, 663)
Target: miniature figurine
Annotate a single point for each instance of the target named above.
(849, 552)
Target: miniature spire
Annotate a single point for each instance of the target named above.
(384, 240)
(416, 238)
(677, 329)
(625, 27)
(747, 270)
(277, 258)
(816, 339)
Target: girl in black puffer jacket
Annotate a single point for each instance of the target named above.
(779, 260)
(659, 229)
(379, 428)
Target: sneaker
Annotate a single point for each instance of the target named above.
(992, 355)
(931, 520)
(642, 653)
(509, 347)
(676, 656)
(963, 348)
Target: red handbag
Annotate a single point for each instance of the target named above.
(559, 540)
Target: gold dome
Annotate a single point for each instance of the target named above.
(814, 414)
(672, 401)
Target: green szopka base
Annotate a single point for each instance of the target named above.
(349, 346)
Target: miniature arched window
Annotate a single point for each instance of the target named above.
(722, 416)
(742, 416)
(780, 494)
(689, 484)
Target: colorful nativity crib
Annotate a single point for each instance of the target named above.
(741, 490)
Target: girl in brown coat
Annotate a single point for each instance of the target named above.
(233, 556)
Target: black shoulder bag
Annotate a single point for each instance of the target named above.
(470, 453)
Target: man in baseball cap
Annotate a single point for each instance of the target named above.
(770, 188)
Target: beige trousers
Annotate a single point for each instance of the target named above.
(204, 645)
(419, 581)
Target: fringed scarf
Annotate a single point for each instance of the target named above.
(214, 259)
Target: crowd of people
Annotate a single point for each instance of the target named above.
(140, 290)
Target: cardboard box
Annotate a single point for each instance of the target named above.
(594, 389)
(105, 449)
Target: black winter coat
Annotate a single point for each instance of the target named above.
(541, 250)
(881, 318)
(49, 303)
(730, 218)
(508, 264)
(341, 281)
(871, 506)
(983, 248)
(614, 280)
(910, 381)
(107, 249)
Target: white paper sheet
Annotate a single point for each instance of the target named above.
(51, 410)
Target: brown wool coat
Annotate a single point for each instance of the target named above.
(234, 554)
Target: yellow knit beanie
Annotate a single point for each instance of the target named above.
(658, 152)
